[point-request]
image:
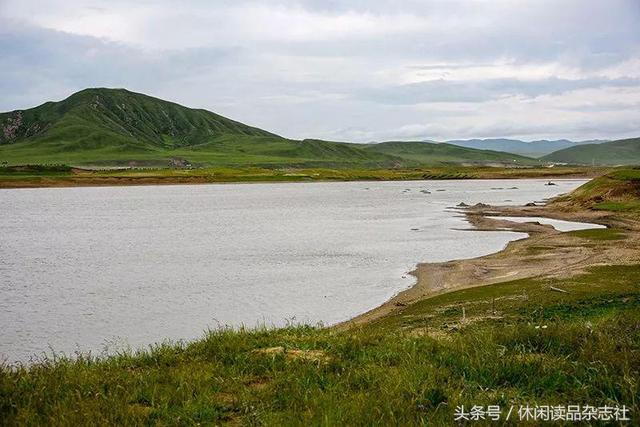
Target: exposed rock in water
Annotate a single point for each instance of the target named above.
(551, 183)
(531, 204)
(481, 205)
(462, 205)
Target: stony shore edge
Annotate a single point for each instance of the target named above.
(546, 253)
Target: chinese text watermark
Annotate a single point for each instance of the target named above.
(542, 413)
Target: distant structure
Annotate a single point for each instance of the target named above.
(179, 163)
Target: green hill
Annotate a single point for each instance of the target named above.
(425, 152)
(621, 152)
(116, 127)
(111, 116)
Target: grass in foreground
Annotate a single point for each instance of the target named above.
(519, 343)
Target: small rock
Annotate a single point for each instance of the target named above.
(462, 205)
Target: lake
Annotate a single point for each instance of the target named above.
(97, 269)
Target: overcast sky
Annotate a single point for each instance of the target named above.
(364, 70)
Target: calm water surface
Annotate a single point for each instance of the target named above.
(99, 268)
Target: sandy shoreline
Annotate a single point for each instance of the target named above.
(545, 253)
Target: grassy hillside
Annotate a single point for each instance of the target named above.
(423, 152)
(621, 152)
(617, 191)
(117, 116)
(226, 150)
(115, 127)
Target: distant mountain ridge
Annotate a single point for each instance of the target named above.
(115, 127)
(537, 148)
(421, 151)
(614, 153)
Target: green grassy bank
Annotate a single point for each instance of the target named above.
(618, 191)
(61, 176)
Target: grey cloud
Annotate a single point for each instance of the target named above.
(37, 65)
(486, 90)
(618, 127)
(348, 86)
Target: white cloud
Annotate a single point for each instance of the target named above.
(171, 25)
